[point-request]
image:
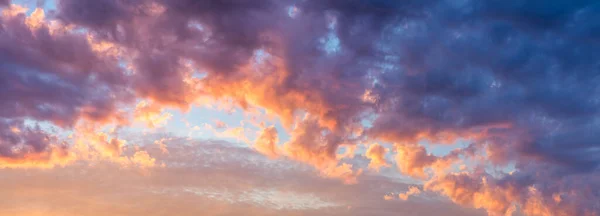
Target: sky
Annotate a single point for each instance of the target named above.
(300, 107)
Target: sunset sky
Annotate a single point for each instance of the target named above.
(300, 107)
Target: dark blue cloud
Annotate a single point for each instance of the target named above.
(54, 77)
(453, 65)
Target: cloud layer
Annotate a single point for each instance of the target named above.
(516, 81)
(202, 179)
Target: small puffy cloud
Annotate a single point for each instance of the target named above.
(142, 160)
(413, 160)
(388, 197)
(220, 124)
(411, 191)
(376, 153)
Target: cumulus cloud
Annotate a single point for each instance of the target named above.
(315, 145)
(376, 153)
(412, 160)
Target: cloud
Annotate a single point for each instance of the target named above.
(93, 141)
(29, 146)
(200, 178)
(412, 160)
(151, 114)
(476, 192)
(237, 133)
(220, 125)
(376, 153)
(38, 62)
(91, 145)
(317, 146)
(142, 159)
(162, 145)
(515, 80)
(267, 141)
(411, 192)
(534, 194)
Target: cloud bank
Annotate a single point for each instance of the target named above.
(517, 81)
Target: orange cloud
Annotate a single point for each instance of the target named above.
(474, 191)
(376, 153)
(411, 191)
(343, 171)
(312, 144)
(140, 159)
(151, 114)
(54, 156)
(413, 160)
(36, 19)
(266, 143)
(90, 141)
(388, 197)
(92, 144)
(26, 146)
(13, 10)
